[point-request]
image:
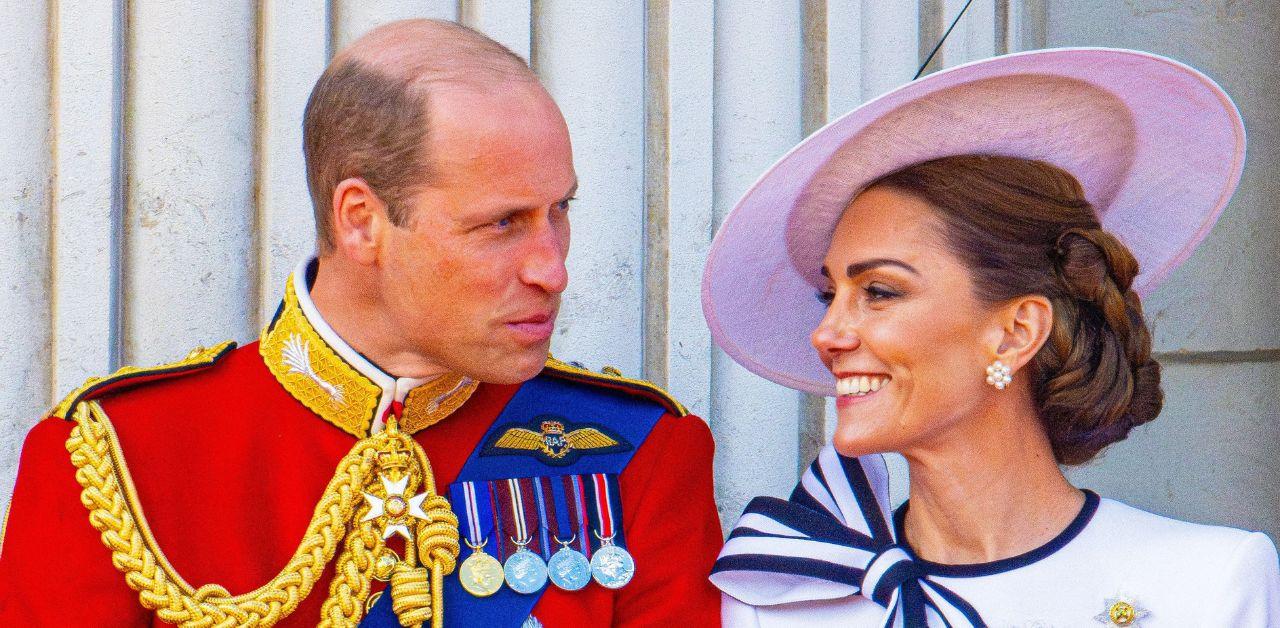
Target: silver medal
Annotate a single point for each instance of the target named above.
(569, 569)
(612, 566)
(525, 571)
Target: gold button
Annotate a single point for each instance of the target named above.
(385, 563)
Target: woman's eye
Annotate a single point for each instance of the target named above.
(503, 223)
(877, 293)
(825, 297)
(564, 205)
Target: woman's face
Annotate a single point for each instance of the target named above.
(904, 336)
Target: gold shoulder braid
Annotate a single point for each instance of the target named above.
(387, 468)
(195, 359)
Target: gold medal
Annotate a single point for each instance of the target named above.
(480, 574)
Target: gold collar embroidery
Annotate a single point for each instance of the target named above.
(315, 374)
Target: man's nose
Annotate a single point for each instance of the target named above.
(544, 264)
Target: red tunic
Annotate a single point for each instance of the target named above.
(229, 467)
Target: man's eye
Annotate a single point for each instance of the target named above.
(564, 205)
(503, 223)
(825, 297)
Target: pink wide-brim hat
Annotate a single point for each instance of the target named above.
(1157, 145)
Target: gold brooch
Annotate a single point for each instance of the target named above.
(1121, 612)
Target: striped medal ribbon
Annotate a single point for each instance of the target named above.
(611, 565)
(568, 568)
(525, 571)
(481, 575)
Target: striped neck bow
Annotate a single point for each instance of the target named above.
(833, 539)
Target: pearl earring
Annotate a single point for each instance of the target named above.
(999, 375)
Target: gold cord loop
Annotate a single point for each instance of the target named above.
(114, 510)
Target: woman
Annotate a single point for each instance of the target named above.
(977, 313)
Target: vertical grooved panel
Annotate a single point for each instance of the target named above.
(88, 43)
(353, 18)
(974, 36)
(657, 240)
(890, 45)
(690, 84)
(293, 56)
(1028, 24)
(757, 103)
(188, 219)
(25, 247)
(814, 114)
(591, 58)
(509, 22)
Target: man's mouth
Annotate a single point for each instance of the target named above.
(534, 327)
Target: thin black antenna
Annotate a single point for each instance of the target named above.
(940, 41)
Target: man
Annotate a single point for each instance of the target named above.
(399, 423)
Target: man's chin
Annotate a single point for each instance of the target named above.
(515, 368)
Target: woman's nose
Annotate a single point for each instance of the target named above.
(835, 334)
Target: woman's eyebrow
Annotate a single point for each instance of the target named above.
(857, 268)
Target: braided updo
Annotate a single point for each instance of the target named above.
(1024, 227)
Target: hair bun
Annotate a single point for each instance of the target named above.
(1086, 258)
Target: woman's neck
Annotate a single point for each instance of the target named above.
(993, 492)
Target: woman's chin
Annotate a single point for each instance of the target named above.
(852, 441)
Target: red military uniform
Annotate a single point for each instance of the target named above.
(231, 450)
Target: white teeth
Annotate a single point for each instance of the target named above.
(860, 384)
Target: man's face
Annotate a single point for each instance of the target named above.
(473, 280)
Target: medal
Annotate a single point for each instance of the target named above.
(480, 574)
(569, 568)
(611, 565)
(525, 571)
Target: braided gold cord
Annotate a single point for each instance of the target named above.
(411, 595)
(115, 512)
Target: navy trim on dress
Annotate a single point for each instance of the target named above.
(975, 570)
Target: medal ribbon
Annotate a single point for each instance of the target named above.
(478, 504)
(501, 546)
(517, 493)
(580, 509)
(565, 529)
(604, 510)
(540, 499)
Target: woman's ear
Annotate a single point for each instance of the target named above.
(1025, 323)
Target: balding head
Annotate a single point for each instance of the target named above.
(367, 116)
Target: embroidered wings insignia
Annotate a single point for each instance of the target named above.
(555, 441)
(520, 438)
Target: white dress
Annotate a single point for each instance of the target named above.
(1114, 564)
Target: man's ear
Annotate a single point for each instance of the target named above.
(360, 221)
(1025, 324)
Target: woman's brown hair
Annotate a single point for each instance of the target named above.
(1024, 227)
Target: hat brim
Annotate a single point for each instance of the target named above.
(1157, 146)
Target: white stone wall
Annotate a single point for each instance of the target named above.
(152, 196)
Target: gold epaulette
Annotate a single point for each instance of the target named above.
(611, 377)
(195, 360)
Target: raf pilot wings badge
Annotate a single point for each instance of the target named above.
(553, 440)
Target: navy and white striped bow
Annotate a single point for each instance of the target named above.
(832, 539)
